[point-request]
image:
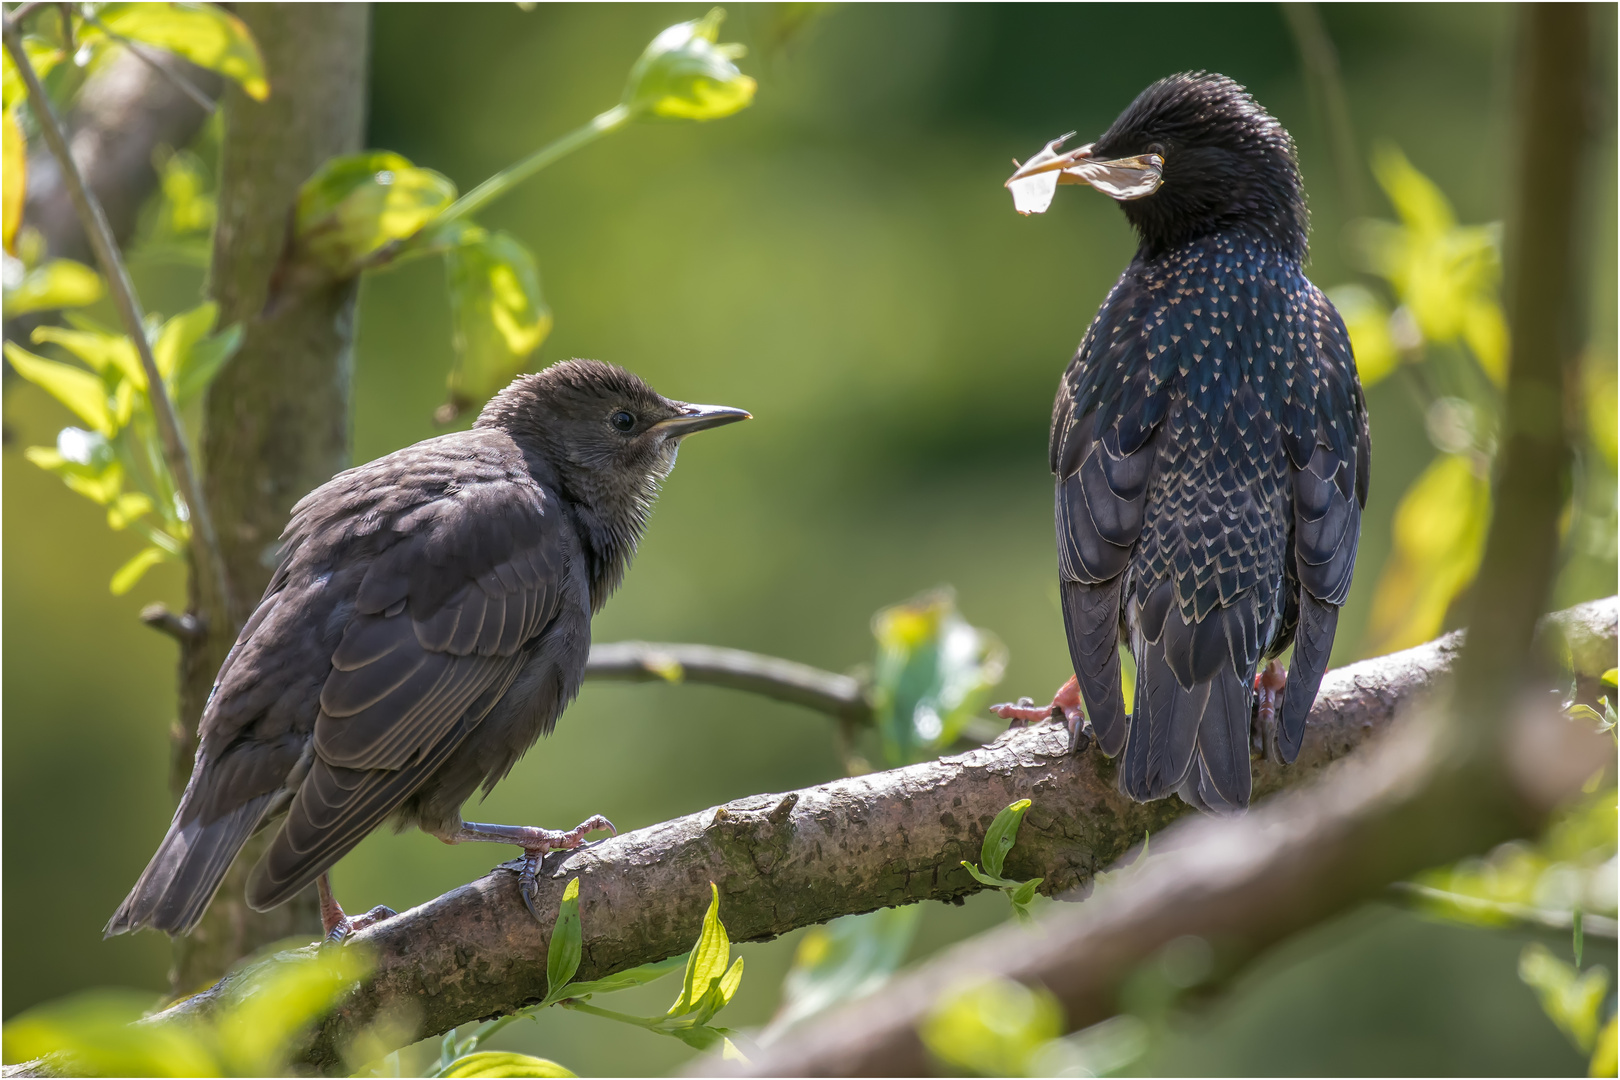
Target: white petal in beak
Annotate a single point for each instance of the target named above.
(1035, 182)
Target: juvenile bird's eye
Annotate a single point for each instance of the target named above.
(622, 420)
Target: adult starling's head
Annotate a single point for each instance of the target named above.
(1193, 155)
(1227, 163)
(608, 436)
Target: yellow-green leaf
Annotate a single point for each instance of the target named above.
(42, 56)
(59, 283)
(14, 162)
(732, 980)
(97, 1030)
(708, 960)
(131, 572)
(1367, 320)
(127, 508)
(567, 942)
(208, 36)
(180, 335)
(279, 998)
(684, 74)
(74, 387)
(491, 1063)
(99, 349)
(498, 316)
(1605, 1057)
(992, 1027)
(356, 205)
(1002, 835)
(1572, 999)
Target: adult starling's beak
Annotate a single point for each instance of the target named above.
(699, 417)
(1036, 180)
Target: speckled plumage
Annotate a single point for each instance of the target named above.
(1211, 451)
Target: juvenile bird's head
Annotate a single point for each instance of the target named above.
(607, 438)
(1227, 163)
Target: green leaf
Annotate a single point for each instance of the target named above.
(624, 980)
(1025, 892)
(180, 335)
(59, 283)
(14, 162)
(356, 205)
(991, 1027)
(1573, 1000)
(498, 314)
(203, 362)
(128, 508)
(126, 576)
(74, 387)
(98, 1031)
(844, 960)
(706, 964)
(279, 998)
(567, 943)
(995, 881)
(684, 74)
(1003, 833)
(491, 1063)
(100, 349)
(208, 36)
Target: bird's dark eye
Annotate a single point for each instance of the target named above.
(622, 421)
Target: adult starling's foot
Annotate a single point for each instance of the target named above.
(1268, 695)
(1066, 706)
(338, 926)
(536, 844)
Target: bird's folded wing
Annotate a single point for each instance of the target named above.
(439, 633)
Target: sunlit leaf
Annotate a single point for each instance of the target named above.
(1367, 320)
(96, 1035)
(1605, 1056)
(706, 964)
(932, 673)
(1418, 201)
(1440, 526)
(127, 508)
(74, 387)
(992, 1027)
(1025, 892)
(208, 36)
(278, 999)
(1002, 835)
(731, 981)
(59, 283)
(1572, 999)
(127, 576)
(567, 942)
(100, 349)
(498, 316)
(491, 1063)
(1602, 415)
(84, 461)
(843, 960)
(684, 74)
(356, 205)
(624, 980)
(180, 334)
(42, 56)
(1485, 329)
(14, 162)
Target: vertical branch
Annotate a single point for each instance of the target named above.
(1325, 85)
(205, 553)
(1543, 305)
(276, 420)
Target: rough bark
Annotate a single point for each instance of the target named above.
(786, 861)
(276, 420)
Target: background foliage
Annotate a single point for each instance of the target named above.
(841, 260)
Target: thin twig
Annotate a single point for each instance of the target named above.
(16, 15)
(1425, 898)
(1326, 86)
(180, 82)
(205, 550)
(184, 628)
(768, 676)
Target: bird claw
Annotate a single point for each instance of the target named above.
(346, 927)
(1022, 712)
(544, 841)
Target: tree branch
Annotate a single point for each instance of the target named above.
(841, 696)
(854, 845)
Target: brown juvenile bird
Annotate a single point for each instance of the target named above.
(1211, 450)
(428, 622)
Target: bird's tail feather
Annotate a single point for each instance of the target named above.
(1091, 616)
(1313, 642)
(176, 886)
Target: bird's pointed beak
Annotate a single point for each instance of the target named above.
(1035, 181)
(699, 418)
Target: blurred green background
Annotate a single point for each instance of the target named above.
(841, 260)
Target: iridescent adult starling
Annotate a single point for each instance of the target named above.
(428, 622)
(1211, 450)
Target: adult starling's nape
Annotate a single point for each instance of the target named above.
(429, 620)
(1211, 451)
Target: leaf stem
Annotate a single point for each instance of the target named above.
(512, 175)
(205, 550)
